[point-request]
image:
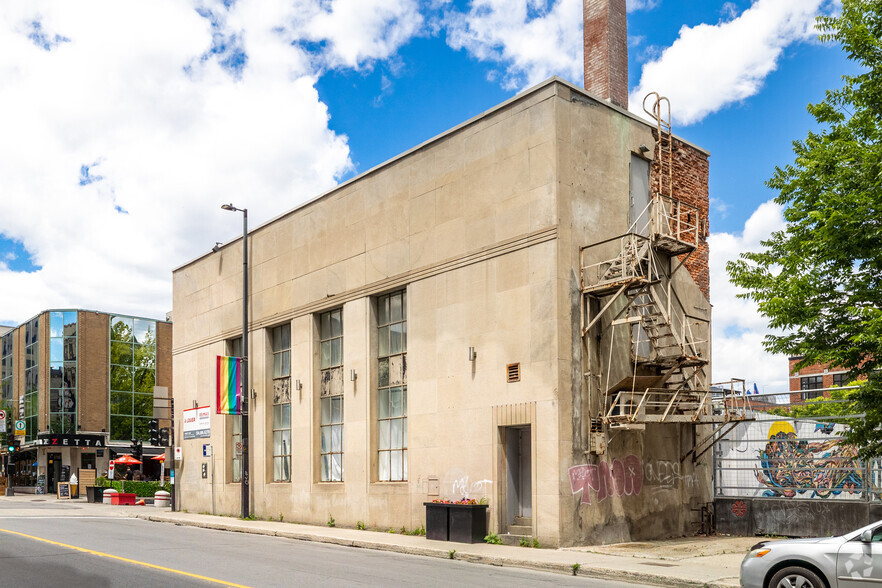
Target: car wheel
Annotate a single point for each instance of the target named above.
(796, 577)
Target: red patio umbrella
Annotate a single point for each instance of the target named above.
(160, 457)
(126, 460)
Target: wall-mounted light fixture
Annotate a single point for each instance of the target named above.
(195, 404)
(352, 375)
(217, 246)
(297, 385)
(643, 148)
(472, 354)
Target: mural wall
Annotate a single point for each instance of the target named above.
(787, 458)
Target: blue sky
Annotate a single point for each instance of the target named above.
(122, 140)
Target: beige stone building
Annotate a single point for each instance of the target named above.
(516, 310)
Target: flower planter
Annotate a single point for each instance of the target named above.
(463, 523)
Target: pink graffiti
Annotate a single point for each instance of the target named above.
(620, 478)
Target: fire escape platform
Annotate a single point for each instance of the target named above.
(671, 245)
(602, 289)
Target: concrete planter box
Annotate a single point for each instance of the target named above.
(463, 523)
(94, 493)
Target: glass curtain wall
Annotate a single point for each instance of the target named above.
(132, 377)
(32, 378)
(63, 372)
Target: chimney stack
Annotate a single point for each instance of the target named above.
(605, 30)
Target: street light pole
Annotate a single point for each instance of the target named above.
(246, 488)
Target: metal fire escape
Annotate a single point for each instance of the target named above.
(632, 284)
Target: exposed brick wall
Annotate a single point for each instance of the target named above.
(690, 169)
(93, 330)
(605, 38)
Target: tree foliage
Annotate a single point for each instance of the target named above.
(819, 281)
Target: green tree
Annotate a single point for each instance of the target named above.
(819, 280)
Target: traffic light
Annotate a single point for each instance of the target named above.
(164, 437)
(136, 448)
(154, 432)
(13, 450)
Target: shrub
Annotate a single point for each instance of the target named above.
(493, 539)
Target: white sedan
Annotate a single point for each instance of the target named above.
(853, 560)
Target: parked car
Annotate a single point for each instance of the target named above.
(848, 561)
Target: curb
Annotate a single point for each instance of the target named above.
(600, 573)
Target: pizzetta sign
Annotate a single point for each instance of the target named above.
(72, 440)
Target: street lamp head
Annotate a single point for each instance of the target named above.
(228, 207)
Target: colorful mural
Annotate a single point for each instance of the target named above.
(791, 467)
(789, 458)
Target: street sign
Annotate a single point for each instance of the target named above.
(179, 454)
(2, 421)
(238, 448)
(20, 427)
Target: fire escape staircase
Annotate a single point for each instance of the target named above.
(632, 282)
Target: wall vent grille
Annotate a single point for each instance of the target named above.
(513, 372)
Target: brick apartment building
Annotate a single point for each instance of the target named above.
(82, 382)
(814, 381)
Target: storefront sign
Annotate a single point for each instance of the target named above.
(71, 440)
(197, 423)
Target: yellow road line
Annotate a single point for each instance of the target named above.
(118, 558)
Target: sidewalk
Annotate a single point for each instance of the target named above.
(695, 561)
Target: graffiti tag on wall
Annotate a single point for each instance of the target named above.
(789, 466)
(619, 478)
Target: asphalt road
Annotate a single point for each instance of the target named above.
(47, 546)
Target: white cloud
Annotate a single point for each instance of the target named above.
(635, 5)
(533, 39)
(738, 328)
(172, 112)
(710, 67)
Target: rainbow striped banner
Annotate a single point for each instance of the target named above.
(229, 385)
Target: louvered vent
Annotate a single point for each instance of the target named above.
(513, 372)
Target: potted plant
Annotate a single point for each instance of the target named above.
(463, 521)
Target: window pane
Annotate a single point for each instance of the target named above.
(121, 428)
(237, 470)
(337, 323)
(286, 363)
(383, 436)
(56, 324)
(277, 469)
(121, 329)
(277, 416)
(144, 331)
(121, 378)
(142, 427)
(396, 465)
(144, 381)
(336, 352)
(403, 337)
(237, 425)
(395, 307)
(70, 349)
(121, 403)
(326, 468)
(395, 402)
(336, 409)
(286, 442)
(69, 379)
(336, 438)
(56, 374)
(326, 439)
(383, 403)
(383, 341)
(336, 467)
(144, 356)
(404, 401)
(121, 353)
(277, 365)
(383, 311)
(384, 466)
(383, 372)
(395, 338)
(143, 405)
(326, 326)
(70, 323)
(326, 354)
(56, 350)
(277, 443)
(395, 433)
(326, 411)
(67, 400)
(286, 416)
(404, 465)
(403, 432)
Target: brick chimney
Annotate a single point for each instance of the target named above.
(605, 29)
